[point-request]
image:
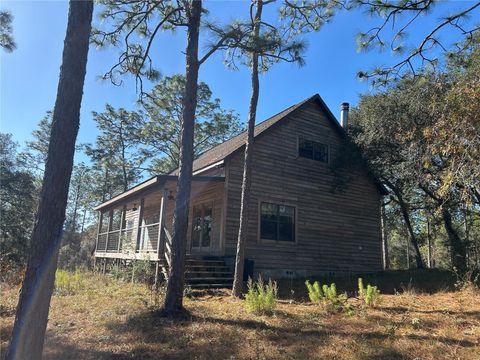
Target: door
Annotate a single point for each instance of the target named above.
(202, 227)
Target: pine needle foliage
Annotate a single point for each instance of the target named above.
(261, 298)
(329, 296)
(370, 294)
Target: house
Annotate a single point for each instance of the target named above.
(297, 225)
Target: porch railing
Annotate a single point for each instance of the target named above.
(148, 238)
(140, 239)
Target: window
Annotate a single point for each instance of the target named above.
(312, 150)
(277, 222)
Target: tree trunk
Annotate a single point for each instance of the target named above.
(457, 248)
(468, 255)
(383, 220)
(175, 284)
(237, 290)
(83, 225)
(33, 306)
(408, 224)
(429, 244)
(75, 207)
(408, 255)
(124, 167)
(458, 252)
(105, 184)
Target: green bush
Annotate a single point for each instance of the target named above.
(328, 295)
(68, 283)
(261, 298)
(370, 294)
(144, 271)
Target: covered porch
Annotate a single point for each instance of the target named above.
(137, 224)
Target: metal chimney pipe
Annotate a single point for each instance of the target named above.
(344, 114)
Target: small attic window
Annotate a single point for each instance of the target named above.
(312, 150)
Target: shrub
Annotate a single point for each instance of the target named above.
(261, 298)
(144, 271)
(468, 280)
(67, 283)
(370, 294)
(328, 295)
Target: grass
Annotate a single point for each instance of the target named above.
(110, 319)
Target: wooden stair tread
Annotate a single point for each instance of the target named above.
(204, 273)
(206, 286)
(210, 278)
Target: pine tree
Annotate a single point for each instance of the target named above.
(7, 41)
(33, 306)
(163, 107)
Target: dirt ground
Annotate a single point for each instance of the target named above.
(109, 319)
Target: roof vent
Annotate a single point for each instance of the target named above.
(344, 114)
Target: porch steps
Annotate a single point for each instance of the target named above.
(209, 272)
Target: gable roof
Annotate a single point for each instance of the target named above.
(231, 146)
(221, 152)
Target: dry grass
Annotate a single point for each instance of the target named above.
(113, 320)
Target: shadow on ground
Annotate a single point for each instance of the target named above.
(210, 337)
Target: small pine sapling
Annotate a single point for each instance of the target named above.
(261, 298)
(314, 291)
(370, 294)
(361, 288)
(328, 296)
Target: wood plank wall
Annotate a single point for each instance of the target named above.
(335, 232)
(202, 192)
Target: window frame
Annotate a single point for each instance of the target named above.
(259, 219)
(301, 137)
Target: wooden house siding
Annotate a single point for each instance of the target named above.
(202, 193)
(334, 231)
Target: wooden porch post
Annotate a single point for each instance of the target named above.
(139, 225)
(156, 275)
(99, 226)
(133, 270)
(122, 218)
(109, 227)
(161, 223)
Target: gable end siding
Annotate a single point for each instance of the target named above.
(335, 232)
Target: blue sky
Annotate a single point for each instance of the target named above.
(29, 75)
